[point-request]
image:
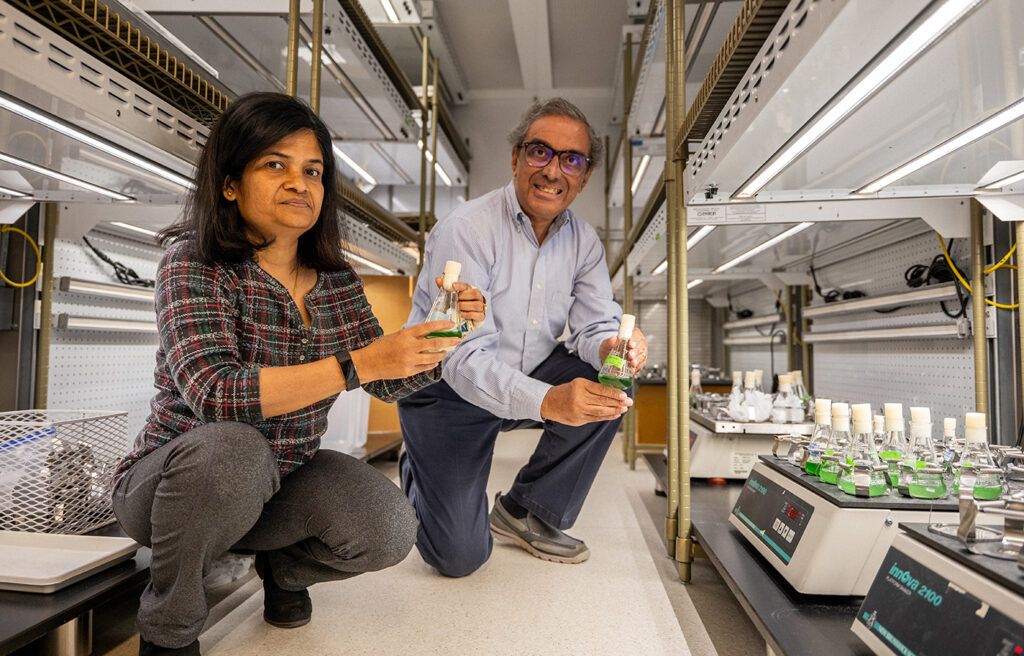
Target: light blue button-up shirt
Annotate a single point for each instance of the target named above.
(532, 291)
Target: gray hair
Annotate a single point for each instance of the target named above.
(556, 107)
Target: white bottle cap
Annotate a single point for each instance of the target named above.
(862, 418)
(452, 269)
(822, 411)
(798, 376)
(759, 373)
(879, 423)
(841, 417)
(737, 377)
(949, 426)
(749, 379)
(893, 417)
(626, 326)
(974, 428)
(694, 377)
(785, 379)
(920, 416)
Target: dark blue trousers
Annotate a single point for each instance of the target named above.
(449, 444)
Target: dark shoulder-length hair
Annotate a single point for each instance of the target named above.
(213, 225)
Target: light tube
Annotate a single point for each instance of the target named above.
(921, 38)
(12, 192)
(437, 165)
(389, 9)
(68, 284)
(696, 237)
(640, 170)
(1004, 182)
(768, 244)
(694, 283)
(968, 136)
(372, 265)
(128, 226)
(57, 125)
(355, 167)
(16, 161)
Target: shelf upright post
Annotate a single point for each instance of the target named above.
(629, 421)
(421, 239)
(684, 539)
(291, 84)
(805, 326)
(790, 325)
(433, 139)
(316, 48)
(978, 305)
(671, 213)
(1019, 227)
(52, 219)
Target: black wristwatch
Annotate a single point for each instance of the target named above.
(348, 370)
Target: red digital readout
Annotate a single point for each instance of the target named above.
(793, 513)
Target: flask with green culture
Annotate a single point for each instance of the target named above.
(976, 463)
(866, 476)
(695, 388)
(894, 446)
(835, 448)
(819, 438)
(921, 467)
(446, 303)
(616, 371)
(951, 446)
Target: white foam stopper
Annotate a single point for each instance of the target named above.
(949, 426)
(840, 409)
(749, 379)
(879, 423)
(626, 326)
(785, 379)
(920, 416)
(694, 377)
(822, 405)
(452, 269)
(893, 417)
(974, 427)
(862, 412)
(737, 377)
(798, 376)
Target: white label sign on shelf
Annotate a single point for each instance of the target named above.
(746, 213)
(742, 463)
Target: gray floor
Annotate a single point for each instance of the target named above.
(627, 599)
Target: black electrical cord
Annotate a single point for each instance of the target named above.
(937, 271)
(834, 295)
(124, 274)
(771, 350)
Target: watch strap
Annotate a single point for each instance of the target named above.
(348, 369)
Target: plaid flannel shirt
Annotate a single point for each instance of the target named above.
(219, 325)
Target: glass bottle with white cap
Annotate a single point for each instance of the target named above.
(976, 464)
(835, 448)
(616, 371)
(894, 446)
(785, 402)
(863, 473)
(820, 436)
(921, 466)
(695, 389)
(446, 303)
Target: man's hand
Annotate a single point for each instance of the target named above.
(637, 349)
(582, 401)
(472, 304)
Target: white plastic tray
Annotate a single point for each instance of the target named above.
(44, 562)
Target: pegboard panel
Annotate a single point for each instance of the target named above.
(937, 373)
(652, 319)
(761, 301)
(95, 368)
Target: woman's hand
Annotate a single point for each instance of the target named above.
(472, 304)
(403, 353)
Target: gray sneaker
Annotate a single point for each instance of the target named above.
(541, 540)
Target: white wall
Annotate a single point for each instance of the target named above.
(488, 118)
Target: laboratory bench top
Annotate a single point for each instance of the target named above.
(790, 622)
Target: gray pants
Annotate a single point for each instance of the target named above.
(216, 488)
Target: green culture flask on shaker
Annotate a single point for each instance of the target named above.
(616, 371)
(894, 446)
(446, 303)
(862, 459)
(977, 457)
(835, 449)
(921, 465)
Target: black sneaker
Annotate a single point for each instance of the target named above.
(536, 537)
(285, 609)
(149, 649)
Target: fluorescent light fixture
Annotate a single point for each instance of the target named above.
(57, 175)
(389, 9)
(12, 192)
(640, 170)
(355, 167)
(693, 240)
(937, 24)
(768, 244)
(11, 104)
(69, 284)
(1004, 182)
(366, 262)
(970, 135)
(694, 283)
(696, 237)
(437, 165)
(134, 228)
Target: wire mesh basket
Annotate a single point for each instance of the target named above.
(56, 469)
